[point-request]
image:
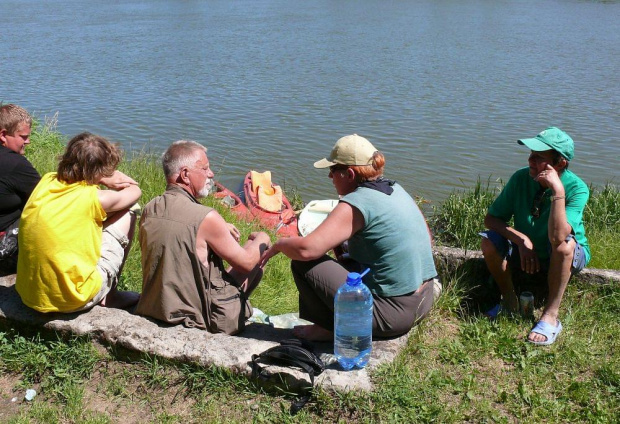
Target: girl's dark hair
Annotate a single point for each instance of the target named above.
(89, 158)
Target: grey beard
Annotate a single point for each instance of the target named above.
(204, 192)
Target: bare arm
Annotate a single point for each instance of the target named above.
(527, 253)
(117, 181)
(216, 234)
(498, 225)
(558, 226)
(340, 225)
(123, 193)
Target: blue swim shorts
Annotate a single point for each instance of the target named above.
(505, 248)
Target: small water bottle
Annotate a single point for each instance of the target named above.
(526, 304)
(353, 323)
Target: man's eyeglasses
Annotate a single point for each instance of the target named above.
(537, 203)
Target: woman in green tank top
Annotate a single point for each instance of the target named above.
(385, 231)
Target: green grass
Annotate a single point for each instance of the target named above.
(602, 218)
(459, 219)
(457, 366)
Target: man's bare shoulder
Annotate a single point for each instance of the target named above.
(213, 222)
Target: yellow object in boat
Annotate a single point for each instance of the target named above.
(260, 179)
(270, 198)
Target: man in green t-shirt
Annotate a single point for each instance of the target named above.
(545, 201)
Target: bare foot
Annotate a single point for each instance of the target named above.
(537, 337)
(313, 332)
(120, 299)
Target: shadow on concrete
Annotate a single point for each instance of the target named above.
(258, 331)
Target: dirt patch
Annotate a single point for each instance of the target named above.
(117, 391)
(440, 327)
(134, 392)
(8, 391)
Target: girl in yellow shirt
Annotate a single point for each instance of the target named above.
(74, 237)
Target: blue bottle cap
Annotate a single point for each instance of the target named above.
(353, 278)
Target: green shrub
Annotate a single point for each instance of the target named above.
(460, 217)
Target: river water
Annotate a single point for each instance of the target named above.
(443, 88)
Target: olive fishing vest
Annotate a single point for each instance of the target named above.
(177, 287)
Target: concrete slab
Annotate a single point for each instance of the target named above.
(451, 260)
(120, 328)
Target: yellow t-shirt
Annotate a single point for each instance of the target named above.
(59, 246)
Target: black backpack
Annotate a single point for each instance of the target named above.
(8, 241)
(293, 353)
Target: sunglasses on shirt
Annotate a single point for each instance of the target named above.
(539, 197)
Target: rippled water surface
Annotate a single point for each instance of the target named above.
(444, 88)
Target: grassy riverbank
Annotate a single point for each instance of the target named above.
(456, 367)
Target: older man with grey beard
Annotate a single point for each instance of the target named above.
(184, 245)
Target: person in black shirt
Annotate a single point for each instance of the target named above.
(17, 179)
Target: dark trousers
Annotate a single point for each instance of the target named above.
(318, 281)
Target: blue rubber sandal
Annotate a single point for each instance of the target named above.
(547, 330)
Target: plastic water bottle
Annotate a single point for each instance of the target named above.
(353, 323)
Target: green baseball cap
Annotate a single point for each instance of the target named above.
(552, 138)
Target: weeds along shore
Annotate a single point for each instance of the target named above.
(457, 366)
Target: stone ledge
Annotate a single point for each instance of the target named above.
(119, 328)
(450, 260)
